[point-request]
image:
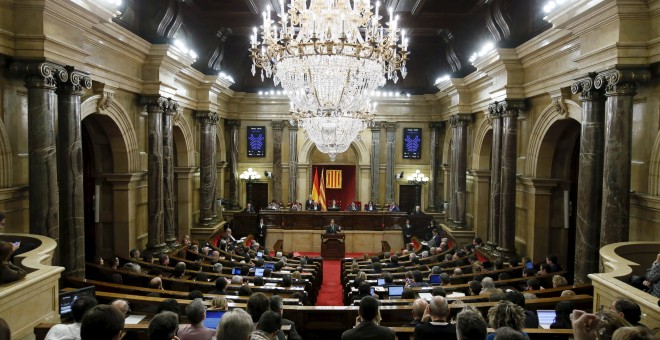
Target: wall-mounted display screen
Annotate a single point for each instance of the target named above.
(412, 143)
(256, 141)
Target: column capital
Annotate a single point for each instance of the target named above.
(510, 107)
(207, 117)
(460, 119)
(376, 126)
(154, 104)
(621, 81)
(76, 84)
(170, 107)
(437, 125)
(390, 125)
(278, 124)
(292, 125)
(40, 74)
(585, 86)
(234, 123)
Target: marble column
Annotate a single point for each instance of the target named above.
(434, 187)
(293, 163)
(208, 170)
(234, 125)
(451, 213)
(40, 81)
(620, 88)
(390, 128)
(155, 105)
(169, 200)
(375, 162)
(459, 124)
(495, 177)
(510, 111)
(278, 128)
(70, 173)
(590, 178)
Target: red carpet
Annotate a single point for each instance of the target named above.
(331, 290)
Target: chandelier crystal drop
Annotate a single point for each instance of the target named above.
(330, 56)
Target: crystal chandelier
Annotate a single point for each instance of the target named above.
(330, 57)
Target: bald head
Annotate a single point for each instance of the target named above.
(156, 283)
(121, 305)
(418, 308)
(439, 308)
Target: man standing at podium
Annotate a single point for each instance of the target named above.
(332, 228)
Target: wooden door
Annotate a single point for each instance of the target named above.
(257, 193)
(409, 197)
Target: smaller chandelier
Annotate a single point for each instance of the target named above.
(249, 176)
(418, 178)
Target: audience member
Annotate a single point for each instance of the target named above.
(632, 333)
(195, 294)
(439, 326)
(418, 280)
(219, 303)
(439, 291)
(164, 326)
(506, 314)
(275, 302)
(122, 306)
(508, 333)
(236, 325)
(470, 325)
(72, 331)
(8, 271)
(367, 327)
(169, 305)
(268, 326)
(628, 310)
(531, 318)
(257, 304)
(563, 312)
(418, 308)
(102, 322)
(652, 278)
(244, 290)
(559, 281)
(196, 313)
(553, 262)
(474, 287)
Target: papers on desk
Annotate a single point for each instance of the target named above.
(134, 319)
(455, 295)
(285, 272)
(425, 296)
(270, 284)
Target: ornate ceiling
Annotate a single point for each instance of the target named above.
(443, 33)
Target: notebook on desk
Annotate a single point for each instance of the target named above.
(394, 292)
(425, 296)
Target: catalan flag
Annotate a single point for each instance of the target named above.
(333, 179)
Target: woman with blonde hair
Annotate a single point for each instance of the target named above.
(559, 281)
(219, 303)
(506, 314)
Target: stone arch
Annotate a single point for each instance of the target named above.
(183, 136)
(539, 156)
(359, 146)
(654, 168)
(482, 149)
(6, 167)
(125, 150)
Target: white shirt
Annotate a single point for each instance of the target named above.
(64, 332)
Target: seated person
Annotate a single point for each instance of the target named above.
(334, 206)
(315, 206)
(353, 207)
(417, 211)
(273, 205)
(370, 206)
(652, 278)
(393, 207)
(249, 208)
(8, 271)
(72, 331)
(332, 228)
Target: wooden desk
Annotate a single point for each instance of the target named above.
(332, 246)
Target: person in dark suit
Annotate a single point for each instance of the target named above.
(393, 207)
(417, 211)
(419, 306)
(315, 206)
(353, 207)
(249, 208)
(261, 232)
(439, 327)
(308, 203)
(276, 306)
(367, 327)
(332, 228)
(370, 206)
(407, 232)
(334, 206)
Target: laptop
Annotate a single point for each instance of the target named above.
(546, 317)
(425, 296)
(372, 291)
(381, 282)
(270, 266)
(68, 298)
(259, 272)
(236, 271)
(395, 292)
(260, 254)
(435, 280)
(213, 318)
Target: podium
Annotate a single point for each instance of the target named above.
(332, 246)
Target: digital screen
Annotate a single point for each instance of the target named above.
(212, 319)
(270, 266)
(412, 143)
(236, 271)
(435, 279)
(256, 141)
(260, 254)
(259, 272)
(395, 290)
(381, 282)
(67, 299)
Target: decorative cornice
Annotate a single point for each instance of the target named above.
(43, 75)
(77, 83)
(621, 82)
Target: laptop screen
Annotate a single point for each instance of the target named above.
(260, 254)
(213, 318)
(546, 318)
(394, 290)
(259, 272)
(236, 271)
(270, 266)
(68, 298)
(435, 279)
(381, 282)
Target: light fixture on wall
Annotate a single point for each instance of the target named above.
(249, 176)
(330, 56)
(418, 178)
(399, 176)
